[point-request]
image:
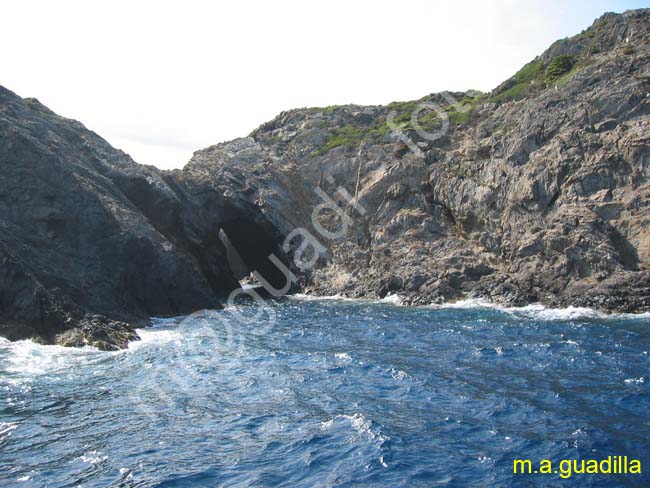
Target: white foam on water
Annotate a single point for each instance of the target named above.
(533, 311)
(635, 381)
(153, 336)
(357, 421)
(539, 311)
(165, 321)
(399, 375)
(578, 433)
(394, 299)
(92, 457)
(467, 303)
(29, 358)
(642, 315)
(317, 298)
(6, 428)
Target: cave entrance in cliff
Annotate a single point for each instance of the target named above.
(248, 246)
(240, 271)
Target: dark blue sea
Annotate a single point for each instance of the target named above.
(332, 393)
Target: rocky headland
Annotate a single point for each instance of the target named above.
(535, 192)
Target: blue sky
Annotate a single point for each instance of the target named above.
(162, 79)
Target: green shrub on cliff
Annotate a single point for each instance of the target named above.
(529, 72)
(513, 93)
(459, 117)
(519, 84)
(559, 66)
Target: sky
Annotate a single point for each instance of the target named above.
(161, 80)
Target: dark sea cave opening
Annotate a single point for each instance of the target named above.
(249, 243)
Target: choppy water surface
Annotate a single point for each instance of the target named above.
(332, 393)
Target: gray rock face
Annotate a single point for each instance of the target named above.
(537, 191)
(85, 230)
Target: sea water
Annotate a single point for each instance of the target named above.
(307, 393)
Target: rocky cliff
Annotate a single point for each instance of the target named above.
(537, 191)
(92, 243)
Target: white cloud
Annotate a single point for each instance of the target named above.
(162, 79)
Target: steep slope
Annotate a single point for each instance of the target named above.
(537, 191)
(89, 239)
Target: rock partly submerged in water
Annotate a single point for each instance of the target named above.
(100, 332)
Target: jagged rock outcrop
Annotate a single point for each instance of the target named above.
(538, 191)
(90, 240)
